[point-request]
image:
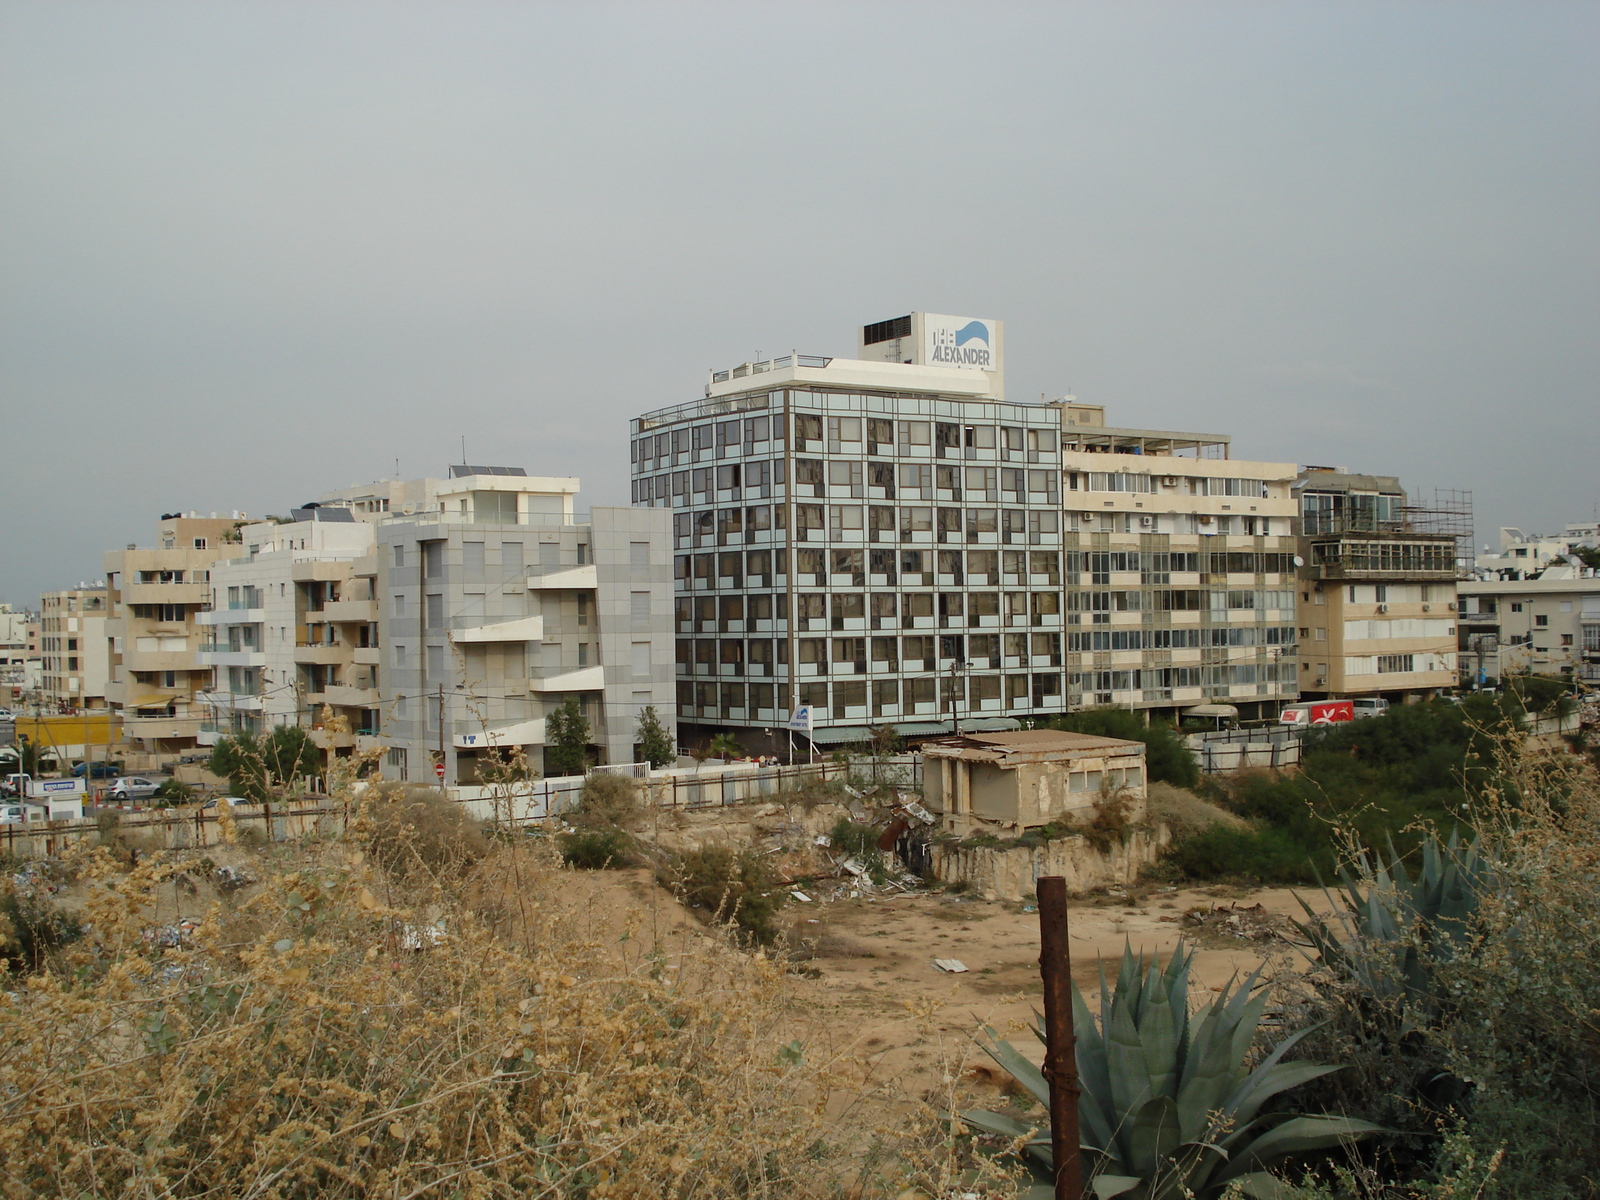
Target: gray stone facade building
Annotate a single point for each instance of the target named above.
(498, 604)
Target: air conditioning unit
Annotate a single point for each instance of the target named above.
(1383, 608)
(1427, 608)
(1169, 481)
(1089, 516)
(1207, 519)
(1451, 606)
(1147, 522)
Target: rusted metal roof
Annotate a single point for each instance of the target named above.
(1028, 746)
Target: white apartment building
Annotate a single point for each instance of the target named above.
(74, 648)
(286, 621)
(886, 539)
(1548, 624)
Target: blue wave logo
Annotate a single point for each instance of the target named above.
(971, 330)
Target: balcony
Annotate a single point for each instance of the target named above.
(322, 653)
(367, 656)
(151, 729)
(230, 701)
(572, 578)
(320, 570)
(527, 629)
(231, 616)
(365, 611)
(331, 739)
(350, 697)
(585, 679)
(192, 594)
(158, 660)
(220, 654)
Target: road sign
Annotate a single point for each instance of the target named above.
(438, 769)
(801, 720)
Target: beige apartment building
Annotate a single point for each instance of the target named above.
(74, 648)
(1377, 597)
(154, 598)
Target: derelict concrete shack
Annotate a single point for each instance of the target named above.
(1030, 777)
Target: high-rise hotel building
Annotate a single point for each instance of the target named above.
(887, 540)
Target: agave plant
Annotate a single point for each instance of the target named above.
(1171, 1106)
(1393, 928)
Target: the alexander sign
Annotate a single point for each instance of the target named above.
(959, 342)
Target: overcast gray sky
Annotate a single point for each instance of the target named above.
(251, 251)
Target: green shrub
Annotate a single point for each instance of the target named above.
(729, 886)
(413, 830)
(607, 801)
(596, 849)
(31, 927)
(859, 842)
(174, 792)
(1269, 855)
(1167, 759)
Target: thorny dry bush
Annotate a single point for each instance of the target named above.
(339, 1031)
(1502, 1082)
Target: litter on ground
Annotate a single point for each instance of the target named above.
(953, 966)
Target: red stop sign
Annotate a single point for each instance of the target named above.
(438, 769)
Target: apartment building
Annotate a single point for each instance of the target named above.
(1377, 599)
(1546, 623)
(292, 631)
(886, 539)
(74, 649)
(154, 598)
(496, 603)
(20, 652)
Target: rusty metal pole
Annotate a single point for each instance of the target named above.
(1060, 1058)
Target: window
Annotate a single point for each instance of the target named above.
(639, 608)
(436, 611)
(583, 608)
(433, 559)
(1541, 621)
(1516, 606)
(640, 660)
(199, 543)
(399, 559)
(399, 603)
(1389, 664)
(638, 554)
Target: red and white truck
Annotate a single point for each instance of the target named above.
(1318, 712)
(1331, 712)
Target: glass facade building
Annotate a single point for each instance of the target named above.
(891, 555)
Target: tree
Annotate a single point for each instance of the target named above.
(254, 766)
(1167, 759)
(566, 739)
(654, 742)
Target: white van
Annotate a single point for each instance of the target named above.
(1370, 706)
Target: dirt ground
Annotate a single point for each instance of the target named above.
(868, 992)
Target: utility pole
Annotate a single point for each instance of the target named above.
(440, 772)
(957, 669)
(1060, 1054)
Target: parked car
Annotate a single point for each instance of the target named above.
(98, 770)
(13, 814)
(231, 801)
(15, 784)
(132, 788)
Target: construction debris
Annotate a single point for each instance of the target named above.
(1235, 923)
(952, 966)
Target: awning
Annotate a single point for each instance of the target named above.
(847, 735)
(1225, 711)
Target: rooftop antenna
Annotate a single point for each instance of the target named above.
(463, 449)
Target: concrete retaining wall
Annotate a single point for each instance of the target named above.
(1010, 873)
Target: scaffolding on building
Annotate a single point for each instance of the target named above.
(1449, 515)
